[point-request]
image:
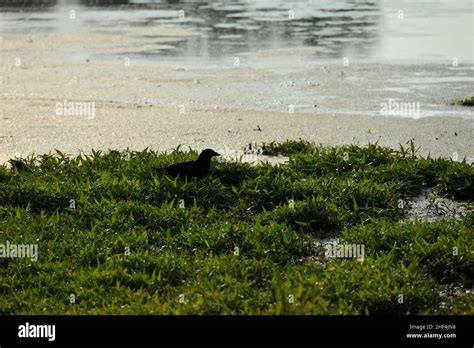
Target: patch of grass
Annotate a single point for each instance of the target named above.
(125, 239)
(286, 148)
(443, 249)
(464, 102)
(316, 215)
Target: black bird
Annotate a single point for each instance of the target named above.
(198, 168)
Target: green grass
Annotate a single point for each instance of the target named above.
(244, 242)
(464, 102)
(286, 148)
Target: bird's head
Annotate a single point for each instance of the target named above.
(208, 154)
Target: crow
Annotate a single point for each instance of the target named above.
(199, 168)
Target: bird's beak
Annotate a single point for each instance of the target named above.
(216, 154)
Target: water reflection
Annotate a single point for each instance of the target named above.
(103, 2)
(224, 27)
(27, 4)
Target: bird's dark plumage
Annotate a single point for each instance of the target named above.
(198, 168)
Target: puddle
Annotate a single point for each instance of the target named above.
(428, 207)
(248, 157)
(452, 292)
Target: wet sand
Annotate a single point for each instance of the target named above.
(161, 105)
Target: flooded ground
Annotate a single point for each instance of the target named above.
(424, 66)
(389, 29)
(222, 28)
(226, 73)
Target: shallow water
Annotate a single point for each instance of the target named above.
(417, 51)
(389, 29)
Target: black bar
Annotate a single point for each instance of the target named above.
(288, 330)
